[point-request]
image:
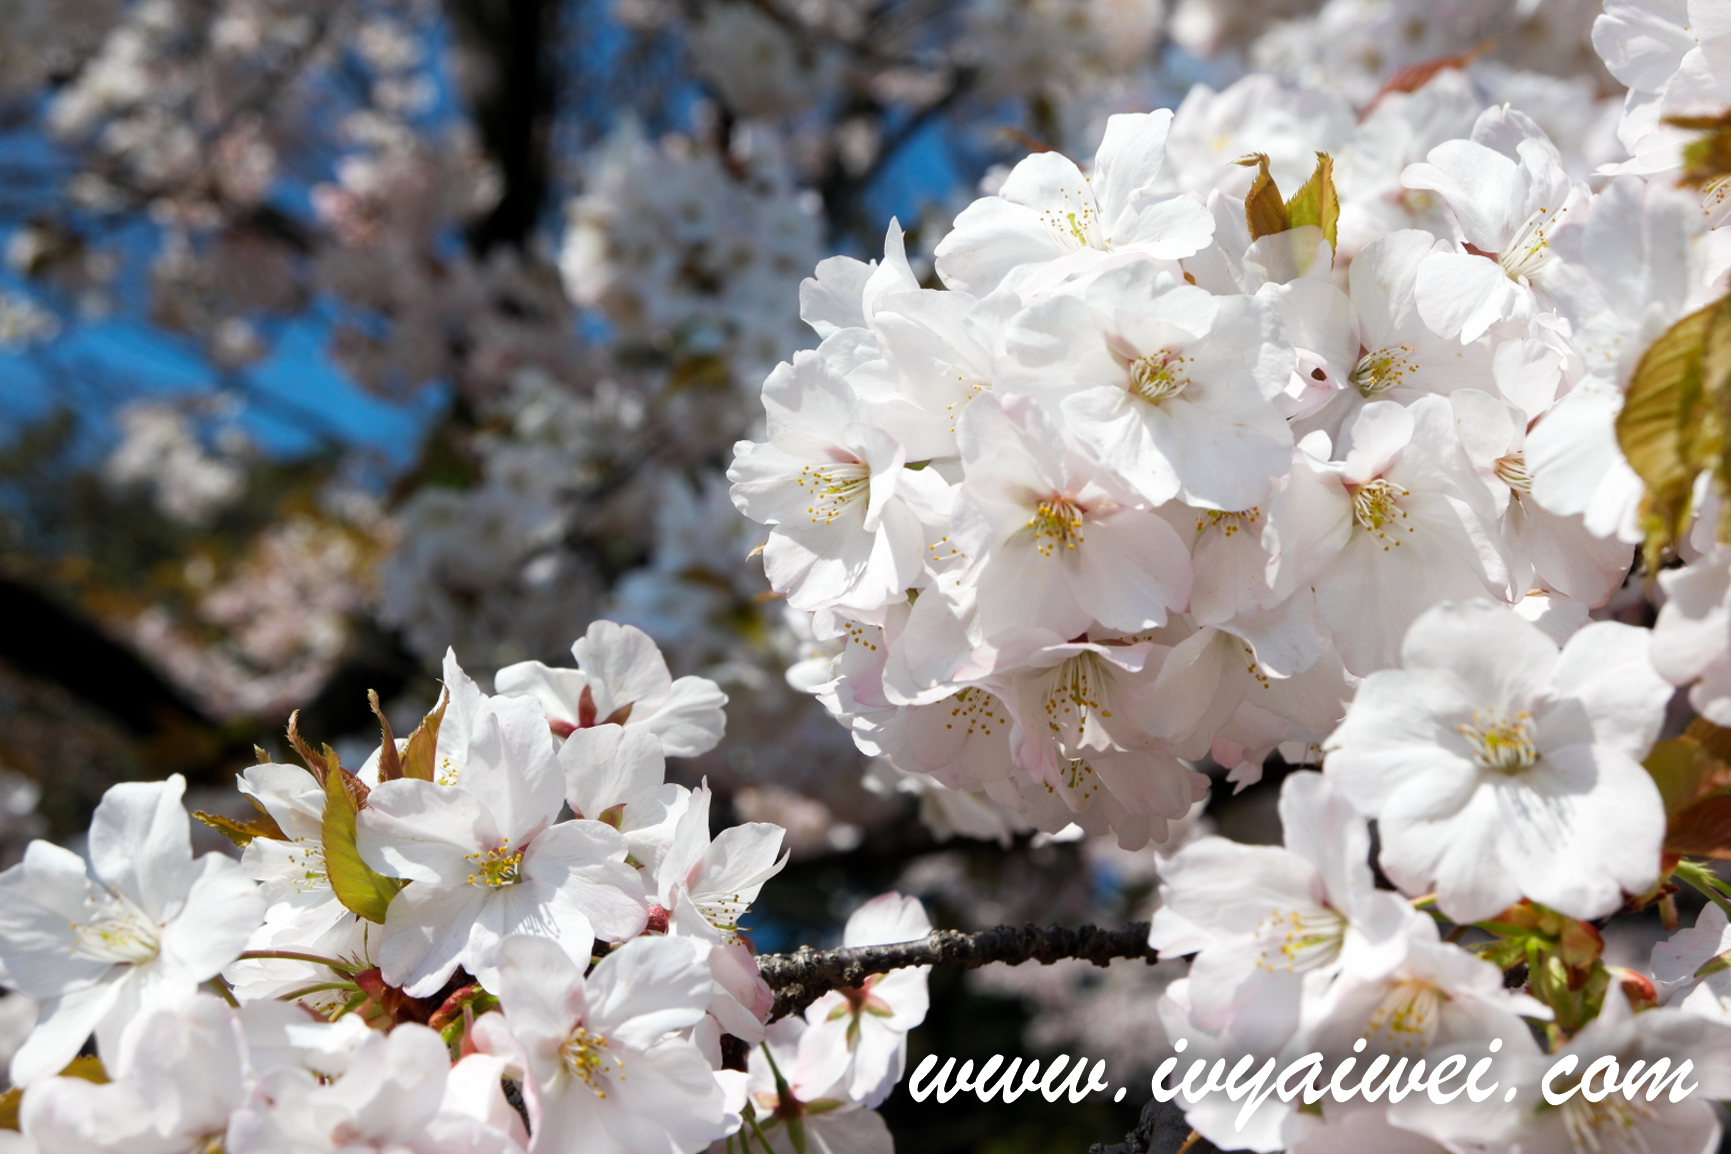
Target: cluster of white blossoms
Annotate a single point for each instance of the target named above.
(1177, 461)
(512, 897)
(1159, 475)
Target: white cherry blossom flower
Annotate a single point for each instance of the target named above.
(1440, 1001)
(1168, 386)
(606, 1067)
(1385, 351)
(718, 878)
(485, 859)
(396, 1093)
(1623, 1121)
(180, 1073)
(1676, 960)
(787, 1096)
(1499, 767)
(1045, 543)
(1266, 923)
(1671, 54)
(1399, 524)
(302, 912)
(846, 514)
(136, 930)
(622, 679)
(1047, 213)
(617, 775)
(858, 1037)
(1543, 549)
(1509, 193)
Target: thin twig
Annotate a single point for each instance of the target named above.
(805, 975)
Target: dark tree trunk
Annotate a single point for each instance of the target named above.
(509, 76)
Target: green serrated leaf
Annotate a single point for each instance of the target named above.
(1264, 211)
(356, 884)
(314, 763)
(1673, 421)
(422, 749)
(1316, 203)
(390, 764)
(242, 832)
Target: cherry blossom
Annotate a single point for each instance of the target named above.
(787, 1093)
(180, 1074)
(1692, 638)
(847, 514)
(136, 929)
(1045, 542)
(858, 1038)
(1165, 384)
(622, 679)
(1496, 762)
(1267, 923)
(604, 1065)
(1047, 213)
(487, 858)
(1509, 193)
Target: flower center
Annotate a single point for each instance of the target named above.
(1499, 743)
(1078, 224)
(861, 1000)
(722, 911)
(582, 1053)
(1512, 471)
(1078, 781)
(1057, 524)
(976, 710)
(1158, 376)
(1298, 940)
(1376, 373)
(1607, 1127)
(1376, 506)
(1407, 1017)
(833, 489)
(120, 933)
(496, 867)
(1075, 703)
(1229, 522)
(1529, 251)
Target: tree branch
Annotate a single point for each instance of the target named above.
(805, 975)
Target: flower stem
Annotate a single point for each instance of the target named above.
(293, 995)
(1706, 881)
(293, 956)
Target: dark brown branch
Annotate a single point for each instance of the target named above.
(805, 975)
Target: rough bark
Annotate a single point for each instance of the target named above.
(801, 977)
(1162, 1130)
